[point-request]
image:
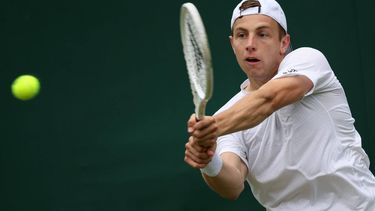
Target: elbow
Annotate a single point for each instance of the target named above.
(232, 195)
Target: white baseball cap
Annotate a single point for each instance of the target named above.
(268, 7)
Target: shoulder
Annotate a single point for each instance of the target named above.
(305, 57)
(305, 53)
(306, 50)
(311, 63)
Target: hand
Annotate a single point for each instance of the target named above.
(204, 131)
(201, 145)
(197, 156)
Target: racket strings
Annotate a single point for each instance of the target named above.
(198, 55)
(195, 59)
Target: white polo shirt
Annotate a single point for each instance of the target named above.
(306, 156)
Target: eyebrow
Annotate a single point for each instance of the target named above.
(240, 29)
(257, 29)
(263, 28)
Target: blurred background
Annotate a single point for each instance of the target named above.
(108, 129)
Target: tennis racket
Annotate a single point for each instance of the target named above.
(197, 56)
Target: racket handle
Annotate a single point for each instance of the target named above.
(200, 110)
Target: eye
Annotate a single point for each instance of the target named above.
(240, 35)
(263, 34)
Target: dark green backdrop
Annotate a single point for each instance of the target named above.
(107, 131)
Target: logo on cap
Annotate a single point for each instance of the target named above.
(250, 3)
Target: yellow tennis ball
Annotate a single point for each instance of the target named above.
(25, 87)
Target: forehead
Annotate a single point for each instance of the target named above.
(252, 22)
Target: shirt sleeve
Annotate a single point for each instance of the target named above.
(234, 144)
(311, 63)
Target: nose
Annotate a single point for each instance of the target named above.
(251, 43)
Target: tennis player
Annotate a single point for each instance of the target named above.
(288, 132)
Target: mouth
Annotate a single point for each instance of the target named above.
(252, 60)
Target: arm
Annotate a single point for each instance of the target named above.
(246, 113)
(229, 183)
(259, 104)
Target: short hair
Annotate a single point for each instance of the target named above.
(282, 31)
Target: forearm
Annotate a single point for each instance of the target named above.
(229, 183)
(246, 113)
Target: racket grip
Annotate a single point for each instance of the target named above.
(200, 110)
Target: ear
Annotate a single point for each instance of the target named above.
(284, 44)
(231, 42)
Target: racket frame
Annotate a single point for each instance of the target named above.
(201, 93)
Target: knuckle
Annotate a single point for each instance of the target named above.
(197, 166)
(187, 160)
(197, 133)
(201, 155)
(187, 149)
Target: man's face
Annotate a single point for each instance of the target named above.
(258, 47)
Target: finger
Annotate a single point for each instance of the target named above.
(211, 151)
(205, 131)
(192, 163)
(196, 160)
(204, 122)
(201, 147)
(207, 143)
(205, 140)
(191, 122)
(196, 144)
(199, 154)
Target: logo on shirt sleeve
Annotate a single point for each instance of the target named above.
(289, 71)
